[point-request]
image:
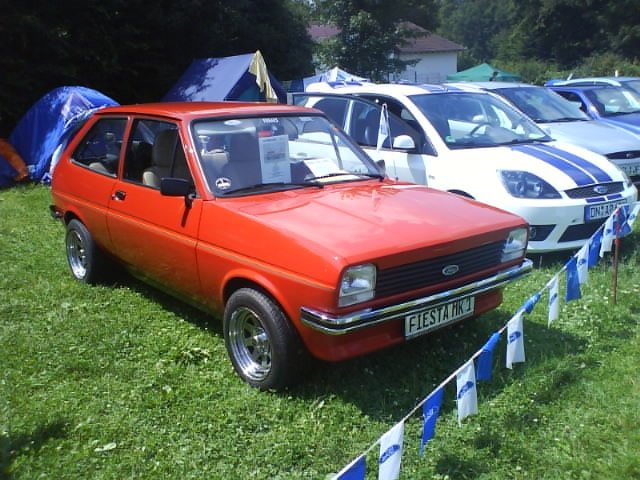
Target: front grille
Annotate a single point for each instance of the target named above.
(427, 273)
(628, 155)
(588, 191)
(580, 232)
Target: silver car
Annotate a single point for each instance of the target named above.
(564, 121)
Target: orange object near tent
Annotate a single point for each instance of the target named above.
(15, 160)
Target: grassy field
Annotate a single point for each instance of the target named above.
(122, 382)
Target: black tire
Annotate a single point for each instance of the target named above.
(85, 259)
(264, 347)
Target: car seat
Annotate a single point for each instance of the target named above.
(167, 159)
(243, 168)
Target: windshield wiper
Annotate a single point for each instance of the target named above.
(343, 174)
(567, 119)
(260, 186)
(524, 141)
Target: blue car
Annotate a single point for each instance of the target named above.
(618, 106)
(632, 83)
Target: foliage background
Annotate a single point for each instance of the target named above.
(134, 50)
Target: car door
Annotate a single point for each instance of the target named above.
(410, 165)
(360, 118)
(156, 234)
(94, 162)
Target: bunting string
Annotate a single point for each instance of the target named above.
(618, 225)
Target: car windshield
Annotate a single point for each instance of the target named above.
(246, 156)
(612, 101)
(473, 120)
(543, 105)
(633, 85)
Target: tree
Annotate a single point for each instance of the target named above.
(369, 32)
(134, 50)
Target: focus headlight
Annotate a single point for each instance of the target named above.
(358, 284)
(526, 185)
(515, 245)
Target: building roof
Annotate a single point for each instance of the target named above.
(425, 41)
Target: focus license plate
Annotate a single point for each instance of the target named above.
(431, 318)
(601, 210)
(632, 169)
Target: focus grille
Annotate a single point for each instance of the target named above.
(587, 192)
(429, 272)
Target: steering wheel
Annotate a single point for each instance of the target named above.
(477, 127)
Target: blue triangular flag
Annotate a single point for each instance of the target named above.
(430, 412)
(354, 471)
(573, 281)
(531, 302)
(622, 225)
(594, 248)
(485, 360)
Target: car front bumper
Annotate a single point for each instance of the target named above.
(343, 324)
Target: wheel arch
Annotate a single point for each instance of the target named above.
(257, 282)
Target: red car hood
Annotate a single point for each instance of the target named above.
(365, 220)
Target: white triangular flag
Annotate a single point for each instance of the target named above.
(515, 340)
(466, 393)
(634, 213)
(391, 453)
(583, 263)
(554, 300)
(608, 235)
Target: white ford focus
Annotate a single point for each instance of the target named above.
(476, 144)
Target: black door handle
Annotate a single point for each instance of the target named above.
(119, 195)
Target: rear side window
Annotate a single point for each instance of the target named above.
(101, 146)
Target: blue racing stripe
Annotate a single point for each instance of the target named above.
(594, 170)
(577, 175)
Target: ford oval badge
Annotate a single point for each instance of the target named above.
(600, 189)
(450, 270)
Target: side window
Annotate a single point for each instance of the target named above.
(100, 148)
(574, 98)
(154, 151)
(401, 122)
(335, 108)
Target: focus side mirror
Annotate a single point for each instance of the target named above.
(404, 142)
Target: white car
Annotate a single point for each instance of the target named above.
(564, 121)
(475, 144)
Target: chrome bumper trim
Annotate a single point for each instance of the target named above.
(341, 324)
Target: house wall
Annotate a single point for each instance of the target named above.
(431, 67)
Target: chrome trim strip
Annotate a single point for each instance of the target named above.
(341, 324)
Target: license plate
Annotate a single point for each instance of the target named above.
(601, 210)
(630, 169)
(431, 318)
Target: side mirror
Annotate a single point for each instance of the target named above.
(382, 167)
(404, 142)
(176, 187)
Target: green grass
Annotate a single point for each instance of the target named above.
(120, 381)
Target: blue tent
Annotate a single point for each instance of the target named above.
(240, 77)
(47, 125)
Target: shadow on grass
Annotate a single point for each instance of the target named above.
(12, 445)
(192, 314)
(387, 385)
